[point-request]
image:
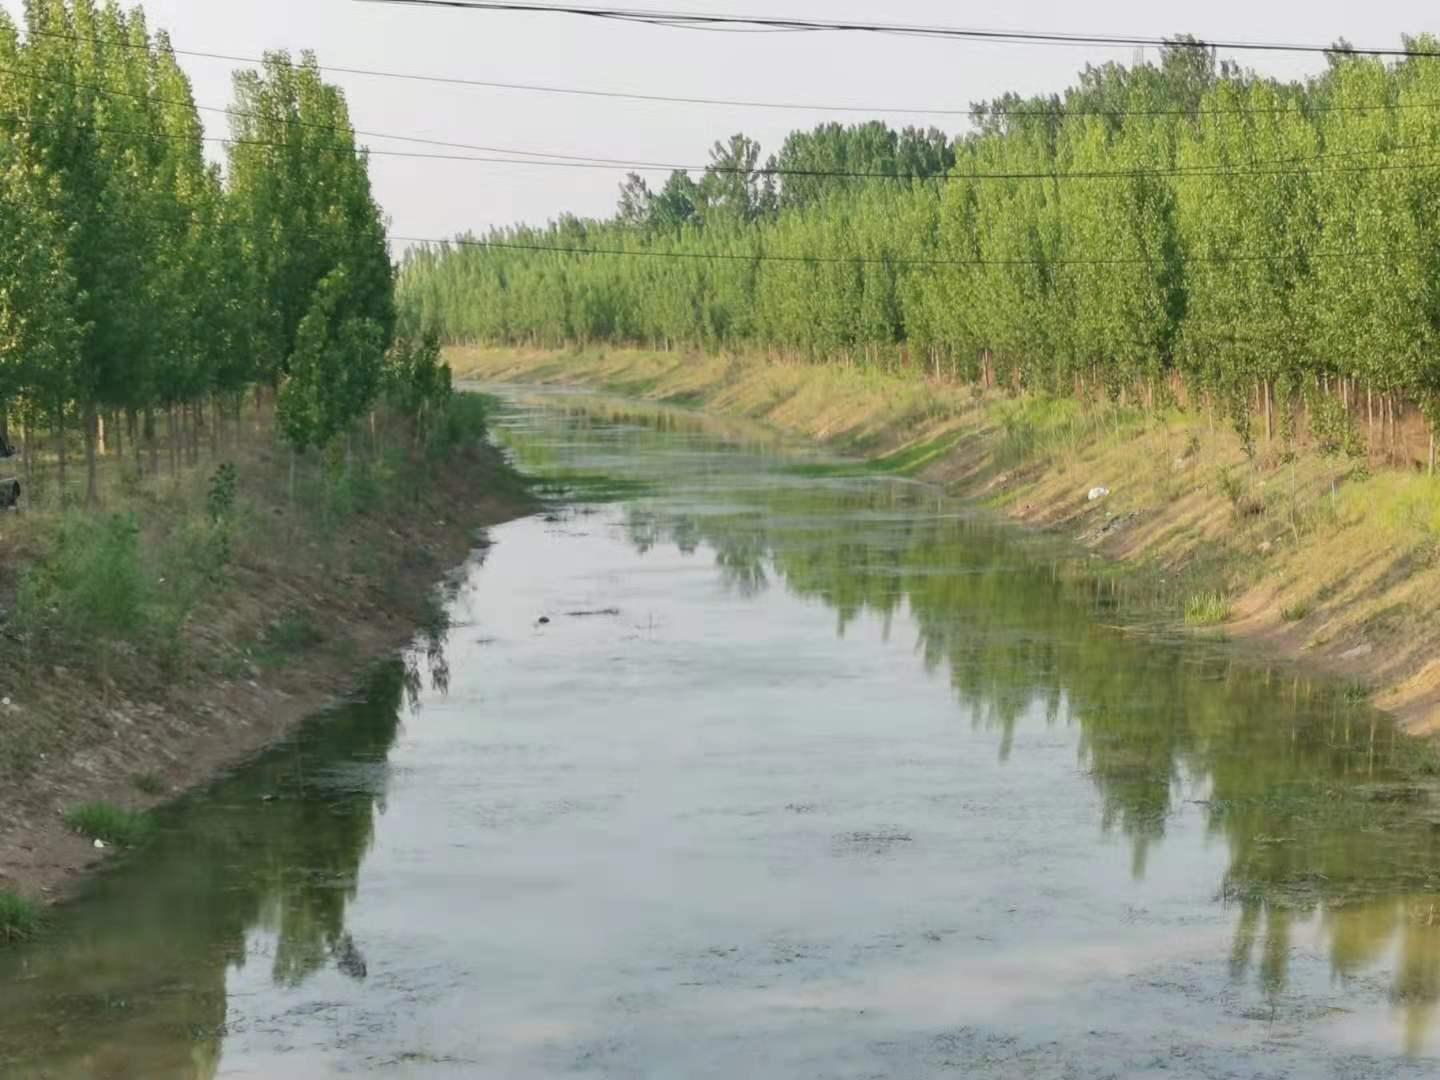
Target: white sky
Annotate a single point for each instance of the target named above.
(438, 198)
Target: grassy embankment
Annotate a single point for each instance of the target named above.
(200, 611)
(1333, 562)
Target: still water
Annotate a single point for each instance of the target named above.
(807, 775)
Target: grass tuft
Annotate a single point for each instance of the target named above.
(1206, 609)
(1295, 612)
(19, 919)
(110, 823)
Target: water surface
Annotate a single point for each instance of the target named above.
(806, 775)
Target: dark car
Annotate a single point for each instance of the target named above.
(9, 486)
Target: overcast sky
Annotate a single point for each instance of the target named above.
(438, 198)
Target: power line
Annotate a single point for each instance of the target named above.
(1206, 171)
(571, 161)
(352, 131)
(294, 121)
(683, 19)
(898, 261)
(849, 260)
(981, 111)
(466, 241)
(595, 161)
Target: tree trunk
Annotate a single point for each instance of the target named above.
(61, 460)
(134, 429)
(152, 440)
(1269, 419)
(174, 440)
(119, 437)
(100, 433)
(29, 451)
(92, 430)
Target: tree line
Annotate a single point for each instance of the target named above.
(141, 283)
(1171, 230)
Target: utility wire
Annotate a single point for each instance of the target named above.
(974, 111)
(851, 260)
(590, 159)
(292, 121)
(433, 244)
(1015, 37)
(1208, 170)
(310, 124)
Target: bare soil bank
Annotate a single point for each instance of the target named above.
(136, 736)
(1294, 552)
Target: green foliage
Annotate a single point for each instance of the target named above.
(1232, 487)
(224, 488)
(465, 419)
(1206, 609)
(109, 823)
(101, 586)
(19, 918)
(92, 585)
(1153, 228)
(1332, 426)
(418, 385)
(135, 277)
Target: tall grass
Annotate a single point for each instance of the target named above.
(1206, 609)
(19, 918)
(109, 823)
(1038, 427)
(93, 583)
(102, 584)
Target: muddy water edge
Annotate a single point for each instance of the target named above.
(746, 765)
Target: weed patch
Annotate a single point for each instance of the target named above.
(1206, 609)
(19, 919)
(108, 823)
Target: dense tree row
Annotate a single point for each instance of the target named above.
(139, 282)
(1165, 228)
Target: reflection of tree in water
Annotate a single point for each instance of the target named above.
(134, 982)
(1315, 798)
(431, 638)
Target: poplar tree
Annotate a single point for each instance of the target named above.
(314, 238)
